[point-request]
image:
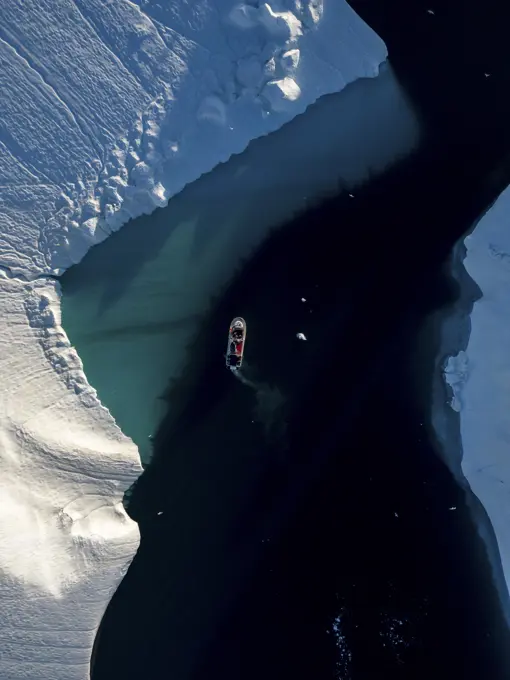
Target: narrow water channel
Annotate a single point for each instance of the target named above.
(308, 527)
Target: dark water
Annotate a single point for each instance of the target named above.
(306, 530)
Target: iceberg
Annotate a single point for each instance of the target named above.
(65, 539)
(478, 379)
(108, 110)
(112, 109)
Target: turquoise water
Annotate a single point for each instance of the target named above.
(134, 302)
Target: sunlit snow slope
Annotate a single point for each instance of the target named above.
(65, 539)
(106, 110)
(480, 381)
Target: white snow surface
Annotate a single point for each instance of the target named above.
(107, 110)
(65, 539)
(480, 380)
(110, 108)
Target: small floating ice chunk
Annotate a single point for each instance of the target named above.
(303, 299)
(300, 336)
(454, 507)
(160, 512)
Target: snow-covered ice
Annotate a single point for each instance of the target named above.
(107, 110)
(65, 539)
(479, 380)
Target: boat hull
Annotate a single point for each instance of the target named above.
(236, 343)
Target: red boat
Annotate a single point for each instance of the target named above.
(236, 342)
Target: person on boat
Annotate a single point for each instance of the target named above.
(237, 334)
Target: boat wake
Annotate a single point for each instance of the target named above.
(269, 409)
(246, 381)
